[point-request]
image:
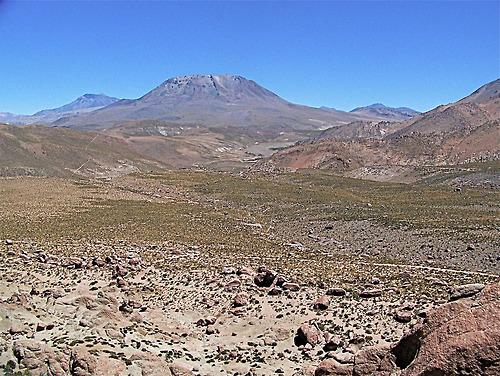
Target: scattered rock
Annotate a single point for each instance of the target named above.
(370, 293)
(465, 291)
(336, 291)
(322, 303)
(307, 334)
(240, 300)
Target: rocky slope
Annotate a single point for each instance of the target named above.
(115, 311)
(463, 132)
(197, 273)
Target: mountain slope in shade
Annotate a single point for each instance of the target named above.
(378, 110)
(213, 100)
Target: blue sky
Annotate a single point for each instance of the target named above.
(337, 54)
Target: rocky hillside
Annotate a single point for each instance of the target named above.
(462, 132)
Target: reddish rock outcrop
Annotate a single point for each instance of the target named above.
(332, 367)
(458, 338)
(82, 363)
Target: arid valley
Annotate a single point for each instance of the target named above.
(200, 224)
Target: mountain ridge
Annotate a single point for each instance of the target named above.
(213, 100)
(385, 112)
(86, 101)
(466, 131)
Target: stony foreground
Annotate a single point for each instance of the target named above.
(197, 273)
(115, 313)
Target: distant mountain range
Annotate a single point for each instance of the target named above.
(386, 113)
(212, 101)
(223, 122)
(87, 102)
(83, 104)
(204, 100)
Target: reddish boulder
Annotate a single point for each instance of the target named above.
(178, 369)
(458, 338)
(374, 361)
(240, 299)
(82, 363)
(307, 334)
(332, 367)
(322, 303)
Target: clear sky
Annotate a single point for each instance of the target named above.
(336, 54)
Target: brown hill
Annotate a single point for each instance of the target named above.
(36, 150)
(462, 132)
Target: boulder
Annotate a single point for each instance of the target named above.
(16, 328)
(290, 286)
(273, 291)
(82, 363)
(332, 367)
(374, 361)
(245, 271)
(458, 338)
(403, 316)
(40, 359)
(151, 365)
(307, 334)
(120, 271)
(210, 320)
(178, 369)
(322, 303)
(265, 278)
(336, 291)
(240, 300)
(465, 291)
(370, 293)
